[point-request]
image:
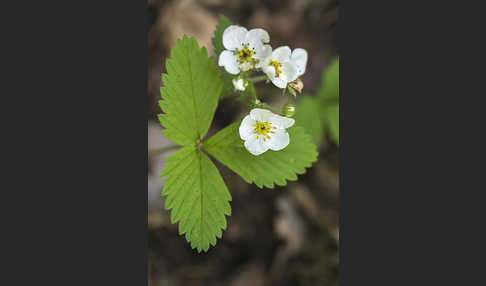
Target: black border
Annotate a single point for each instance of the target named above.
(78, 149)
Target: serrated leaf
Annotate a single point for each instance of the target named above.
(269, 168)
(308, 115)
(195, 190)
(190, 92)
(217, 39)
(197, 195)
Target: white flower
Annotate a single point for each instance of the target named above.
(284, 66)
(240, 84)
(299, 59)
(263, 130)
(244, 49)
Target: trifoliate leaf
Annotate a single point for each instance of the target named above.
(269, 168)
(190, 94)
(197, 196)
(308, 115)
(217, 39)
(195, 190)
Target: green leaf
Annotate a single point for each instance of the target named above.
(194, 188)
(228, 87)
(329, 88)
(308, 115)
(329, 95)
(269, 168)
(333, 122)
(217, 39)
(190, 94)
(197, 195)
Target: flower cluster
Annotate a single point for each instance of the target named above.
(249, 50)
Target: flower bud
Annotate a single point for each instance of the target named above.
(288, 110)
(297, 84)
(240, 84)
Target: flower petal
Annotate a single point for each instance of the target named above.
(233, 37)
(263, 53)
(258, 34)
(229, 61)
(260, 114)
(256, 146)
(289, 72)
(282, 122)
(281, 54)
(278, 82)
(269, 71)
(247, 128)
(279, 140)
(299, 59)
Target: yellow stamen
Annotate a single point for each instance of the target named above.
(263, 128)
(277, 67)
(245, 54)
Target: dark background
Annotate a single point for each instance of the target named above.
(283, 236)
(74, 138)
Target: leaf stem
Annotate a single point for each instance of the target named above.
(257, 78)
(263, 104)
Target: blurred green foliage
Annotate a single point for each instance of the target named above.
(320, 113)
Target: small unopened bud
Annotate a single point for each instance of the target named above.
(240, 84)
(288, 110)
(297, 84)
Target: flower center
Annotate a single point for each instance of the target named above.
(263, 128)
(245, 54)
(277, 67)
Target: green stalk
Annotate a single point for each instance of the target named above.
(257, 78)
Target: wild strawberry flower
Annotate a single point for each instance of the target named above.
(239, 84)
(263, 130)
(284, 66)
(244, 49)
